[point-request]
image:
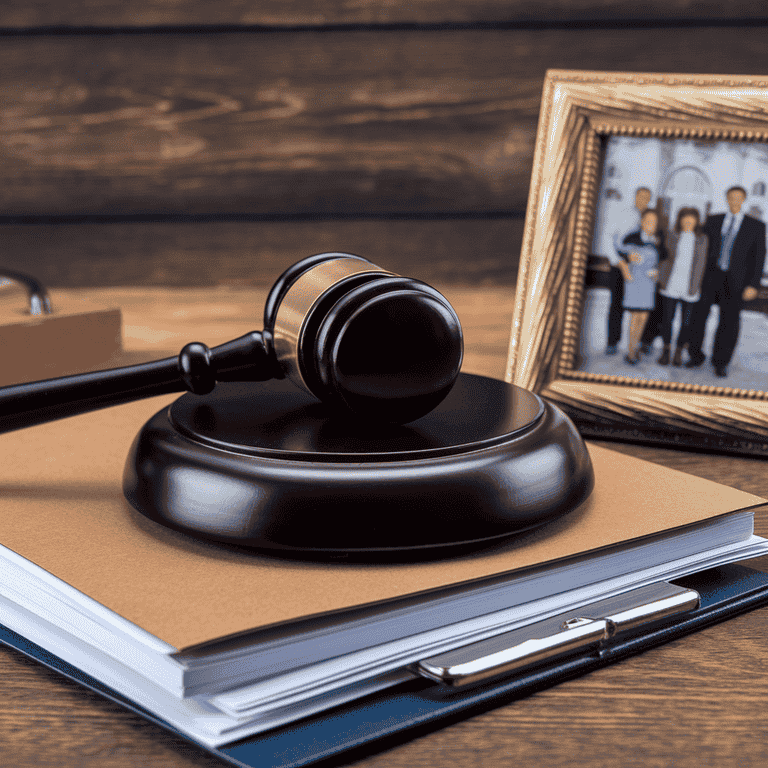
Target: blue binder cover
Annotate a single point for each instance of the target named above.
(381, 720)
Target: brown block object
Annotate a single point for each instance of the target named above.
(78, 336)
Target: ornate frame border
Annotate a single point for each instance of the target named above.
(577, 108)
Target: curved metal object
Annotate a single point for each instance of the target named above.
(39, 301)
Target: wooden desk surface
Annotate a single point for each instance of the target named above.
(699, 701)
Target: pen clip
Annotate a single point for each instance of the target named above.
(588, 628)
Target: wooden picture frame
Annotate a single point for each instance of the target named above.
(581, 113)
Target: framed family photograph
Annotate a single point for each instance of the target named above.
(642, 296)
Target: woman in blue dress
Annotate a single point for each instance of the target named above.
(643, 250)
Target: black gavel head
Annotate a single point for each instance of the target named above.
(362, 339)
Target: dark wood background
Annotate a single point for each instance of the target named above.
(196, 143)
(212, 143)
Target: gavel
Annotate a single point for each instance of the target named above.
(365, 341)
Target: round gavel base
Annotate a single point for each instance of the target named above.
(266, 466)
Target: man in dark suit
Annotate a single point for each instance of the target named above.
(734, 267)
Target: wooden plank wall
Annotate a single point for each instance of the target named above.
(199, 143)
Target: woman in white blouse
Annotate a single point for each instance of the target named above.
(680, 278)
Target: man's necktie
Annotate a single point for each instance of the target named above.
(725, 248)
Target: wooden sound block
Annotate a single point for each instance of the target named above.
(78, 336)
(265, 466)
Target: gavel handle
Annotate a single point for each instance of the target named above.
(196, 369)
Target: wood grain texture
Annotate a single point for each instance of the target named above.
(296, 123)
(699, 701)
(469, 252)
(113, 13)
(303, 123)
